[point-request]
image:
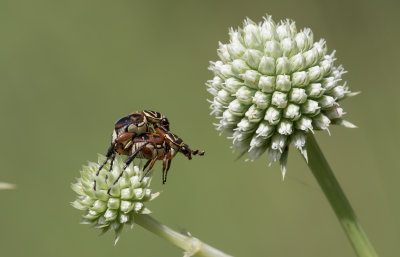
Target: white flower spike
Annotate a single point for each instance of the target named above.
(273, 85)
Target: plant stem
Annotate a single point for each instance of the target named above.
(191, 245)
(337, 199)
(6, 186)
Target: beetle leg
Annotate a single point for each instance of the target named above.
(127, 162)
(147, 164)
(132, 157)
(151, 166)
(169, 164)
(163, 169)
(166, 173)
(125, 136)
(112, 161)
(110, 152)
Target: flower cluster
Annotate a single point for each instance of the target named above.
(272, 86)
(126, 198)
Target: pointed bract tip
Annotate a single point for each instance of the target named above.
(353, 94)
(283, 169)
(344, 123)
(304, 153)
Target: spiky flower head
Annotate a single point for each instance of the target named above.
(272, 86)
(125, 200)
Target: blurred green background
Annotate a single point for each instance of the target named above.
(69, 69)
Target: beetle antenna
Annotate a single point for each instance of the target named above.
(197, 152)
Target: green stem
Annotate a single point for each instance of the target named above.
(6, 186)
(332, 190)
(191, 245)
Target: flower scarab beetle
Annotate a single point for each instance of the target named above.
(161, 145)
(126, 128)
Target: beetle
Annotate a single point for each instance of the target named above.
(155, 146)
(127, 127)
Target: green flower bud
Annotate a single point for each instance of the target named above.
(282, 65)
(283, 83)
(126, 198)
(223, 53)
(257, 142)
(254, 114)
(285, 127)
(267, 65)
(214, 85)
(315, 90)
(304, 123)
(329, 83)
(315, 73)
(221, 69)
(278, 142)
(285, 30)
(252, 57)
(224, 97)
(232, 85)
(245, 126)
(212, 90)
(327, 63)
(338, 72)
(321, 122)
(334, 113)
(268, 30)
(288, 46)
(216, 107)
(273, 49)
(262, 100)
(297, 62)
(326, 101)
(300, 79)
(251, 78)
(237, 108)
(311, 57)
(239, 67)
(292, 112)
(230, 117)
(265, 130)
(236, 50)
(298, 95)
(304, 39)
(257, 147)
(272, 115)
(310, 107)
(298, 139)
(267, 84)
(320, 46)
(279, 99)
(252, 37)
(277, 85)
(245, 95)
(338, 92)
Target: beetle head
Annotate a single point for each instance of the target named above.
(186, 151)
(164, 123)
